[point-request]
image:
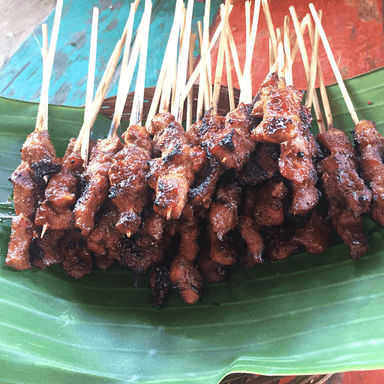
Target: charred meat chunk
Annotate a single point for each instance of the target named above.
(370, 145)
(346, 192)
(129, 190)
(97, 183)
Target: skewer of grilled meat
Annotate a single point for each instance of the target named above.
(287, 123)
(129, 189)
(29, 178)
(170, 175)
(346, 192)
(250, 231)
(61, 193)
(105, 240)
(370, 146)
(314, 235)
(183, 272)
(223, 212)
(97, 183)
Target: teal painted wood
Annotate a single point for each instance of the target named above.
(21, 76)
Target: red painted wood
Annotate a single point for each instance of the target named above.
(354, 29)
(365, 377)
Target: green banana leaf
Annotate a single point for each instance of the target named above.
(309, 314)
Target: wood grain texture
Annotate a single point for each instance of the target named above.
(21, 76)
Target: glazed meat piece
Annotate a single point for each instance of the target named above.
(148, 248)
(233, 145)
(370, 145)
(184, 274)
(105, 240)
(160, 284)
(45, 251)
(279, 242)
(316, 234)
(223, 213)
(172, 174)
(56, 210)
(255, 243)
(205, 182)
(77, 257)
(287, 122)
(279, 107)
(127, 175)
(38, 148)
(249, 231)
(25, 191)
(296, 164)
(158, 123)
(221, 252)
(97, 183)
(211, 271)
(262, 166)
(346, 192)
(268, 209)
(22, 233)
(207, 131)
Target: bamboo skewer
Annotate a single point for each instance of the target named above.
(313, 68)
(177, 109)
(287, 49)
(323, 91)
(90, 85)
(271, 29)
(334, 66)
(280, 51)
(197, 69)
(190, 69)
(138, 100)
(247, 6)
(172, 41)
(42, 114)
(235, 56)
(246, 83)
(203, 94)
(220, 57)
(304, 56)
(229, 77)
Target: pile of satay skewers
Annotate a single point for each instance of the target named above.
(185, 204)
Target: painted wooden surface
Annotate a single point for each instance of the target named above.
(354, 29)
(21, 76)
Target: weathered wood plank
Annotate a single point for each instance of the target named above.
(21, 76)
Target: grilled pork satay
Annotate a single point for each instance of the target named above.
(172, 174)
(262, 166)
(346, 192)
(160, 284)
(221, 252)
(102, 155)
(211, 271)
(77, 257)
(97, 183)
(249, 231)
(37, 155)
(314, 235)
(286, 122)
(223, 212)
(105, 240)
(149, 247)
(55, 211)
(184, 273)
(370, 145)
(129, 190)
(268, 208)
(45, 251)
